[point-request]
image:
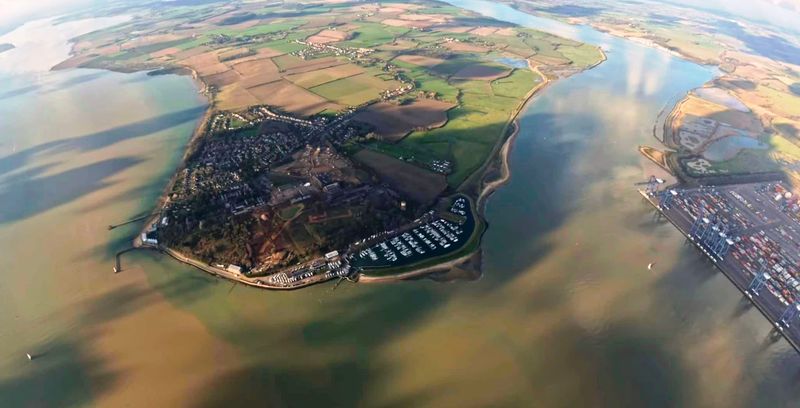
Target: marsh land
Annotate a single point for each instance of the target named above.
(742, 125)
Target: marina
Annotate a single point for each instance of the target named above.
(442, 234)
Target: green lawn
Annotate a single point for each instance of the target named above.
(345, 91)
(290, 212)
(582, 56)
(369, 35)
(353, 90)
(515, 84)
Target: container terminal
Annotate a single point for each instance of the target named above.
(751, 232)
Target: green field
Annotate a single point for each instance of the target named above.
(476, 124)
(484, 107)
(513, 85)
(582, 56)
(290, 212)
(259, 29)
(369, 35)
(351, 91)
(286, 45)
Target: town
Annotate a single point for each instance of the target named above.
(266, 198)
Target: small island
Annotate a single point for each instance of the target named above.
(342, 140)
(6, 47)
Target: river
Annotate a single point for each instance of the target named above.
(566, 312)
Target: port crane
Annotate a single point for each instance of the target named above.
(652, 184)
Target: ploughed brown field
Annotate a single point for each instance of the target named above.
(205, 64)
(484, 31)
(291, 98)
(423, 186)
(393, 122)
(256, 67)
(328, 36)
(233, 53)
(464, 47)
(165, 52)
(420, 60)
(223, 78)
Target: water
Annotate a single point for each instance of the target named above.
(728, 147)
(80, 150)
(512, 62)
(566, 314)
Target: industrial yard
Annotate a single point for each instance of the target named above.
(751, 232)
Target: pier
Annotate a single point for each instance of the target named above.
(760, 282)
(131, 221)
(118, 260)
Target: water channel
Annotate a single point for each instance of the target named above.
(565, 314)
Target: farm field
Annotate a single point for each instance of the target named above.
(331, 120)
(251, 58)
(395, 121)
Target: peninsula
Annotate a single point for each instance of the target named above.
(342, 139)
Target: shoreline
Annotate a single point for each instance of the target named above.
(500, 156)
(505, 150)
(638, 40)
(416, 273)
(190, 145)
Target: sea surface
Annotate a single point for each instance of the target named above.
(566, 312)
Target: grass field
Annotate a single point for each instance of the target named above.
(513, 86)
(372, 34)
(452, 59)
(290, 212)
(315, 78)
(478, 121)
(748, 161)
(583, 56)
(354, 90)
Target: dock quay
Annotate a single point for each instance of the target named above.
(131, 221)
(751, 233)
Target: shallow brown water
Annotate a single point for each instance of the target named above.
(566, 314)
